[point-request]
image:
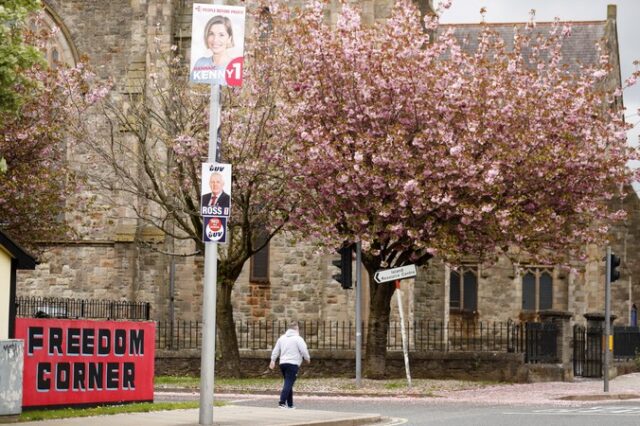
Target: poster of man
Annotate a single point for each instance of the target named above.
(215, 195)
(217, 44)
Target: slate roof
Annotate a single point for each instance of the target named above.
(578, 48)
(25, 260)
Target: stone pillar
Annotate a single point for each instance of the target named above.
(562, 320)
(596, 320)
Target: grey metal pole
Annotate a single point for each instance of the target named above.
(172, 294)
(208, 352)
(358, 314)
(607, 315)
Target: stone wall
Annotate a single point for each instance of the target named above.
(107, 257)
(299, 285)
(626, 244)
(113, 256)
(96, 270)
(481, 366)
(494, 366)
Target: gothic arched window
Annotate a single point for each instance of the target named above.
(463, 288)
(58, 49)
(537, 289)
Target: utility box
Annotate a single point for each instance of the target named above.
(11, 367)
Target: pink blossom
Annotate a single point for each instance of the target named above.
(599, 74)
(462, 149)
(631, 80)
(491, 175)
(455, 150)
(410, 186)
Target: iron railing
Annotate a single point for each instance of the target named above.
(541, 342)
(579, 350)
(340, 335)
(593, 359)
(626, 342)
(54, 307)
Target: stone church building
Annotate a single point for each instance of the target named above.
(111, 256)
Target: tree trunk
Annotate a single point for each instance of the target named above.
(378, 327)
(229, 364)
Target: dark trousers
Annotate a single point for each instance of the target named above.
(289, 372)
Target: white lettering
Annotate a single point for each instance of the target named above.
(236, 69)
(205, 75)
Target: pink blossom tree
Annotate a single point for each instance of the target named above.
(36, 178)
(419, 146)
(154, 145)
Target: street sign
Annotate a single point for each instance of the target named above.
(394, 274)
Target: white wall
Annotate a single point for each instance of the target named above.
(5, 289)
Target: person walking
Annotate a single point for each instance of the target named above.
(291, 349)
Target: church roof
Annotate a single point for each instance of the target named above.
(578, 48)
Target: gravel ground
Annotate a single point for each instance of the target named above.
(579, 392)
(420, 387)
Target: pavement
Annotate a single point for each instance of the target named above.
(579, 392)
(222, 416)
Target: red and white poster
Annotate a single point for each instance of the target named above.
(215, 229)
(77, 362)
(217, 44)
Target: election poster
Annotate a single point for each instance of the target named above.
(215, 196)
(214, 229)
(217, 44)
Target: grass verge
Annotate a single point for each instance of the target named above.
(194, 382)
(180, 381)
(103, 410)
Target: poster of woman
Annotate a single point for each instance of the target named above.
(217, 44)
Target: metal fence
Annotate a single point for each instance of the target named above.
(593, 355)
(53, 307)
(579, 350)
(541, 342)
(340, 335)
(626, 342)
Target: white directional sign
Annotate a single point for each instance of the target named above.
(400, 273)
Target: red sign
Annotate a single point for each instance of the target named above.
(72, 362)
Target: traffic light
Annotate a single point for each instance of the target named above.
(614, 262)
(344, 265)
